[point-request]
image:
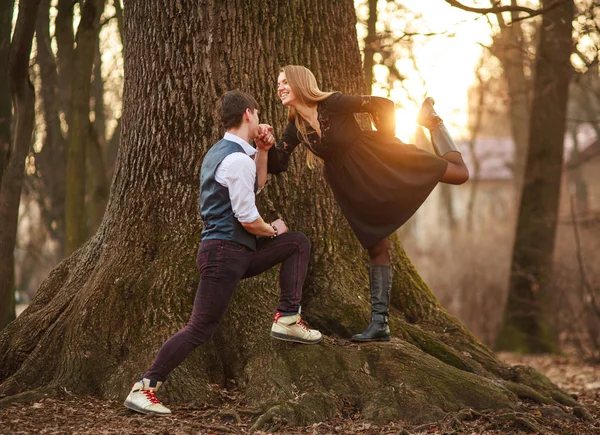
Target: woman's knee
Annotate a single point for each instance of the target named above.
(379, 253)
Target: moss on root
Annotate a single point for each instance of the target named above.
(385, 381)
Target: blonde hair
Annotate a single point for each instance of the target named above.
(304, 84)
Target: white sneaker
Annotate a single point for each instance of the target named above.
(291, 328)
(142, 398)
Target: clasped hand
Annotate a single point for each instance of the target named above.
(265, 139)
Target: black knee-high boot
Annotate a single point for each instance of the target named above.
(381, 287)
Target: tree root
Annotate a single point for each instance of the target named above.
(274, 418)
(526, 422)
(582, 413)
(217, 428)
(32, 396)
(525, 392)
(530, 377)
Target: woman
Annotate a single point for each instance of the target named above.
(378, 181)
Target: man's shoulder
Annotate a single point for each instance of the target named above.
(222, 148)
(226, 144)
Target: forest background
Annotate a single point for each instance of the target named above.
(508, 239)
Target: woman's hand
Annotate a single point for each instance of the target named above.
(265, 139)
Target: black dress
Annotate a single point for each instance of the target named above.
(378, 181)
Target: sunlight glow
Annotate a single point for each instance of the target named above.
(443, 67)
(406, 123)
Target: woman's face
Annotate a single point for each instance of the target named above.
(285, 92)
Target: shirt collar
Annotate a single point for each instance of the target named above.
(248, 149)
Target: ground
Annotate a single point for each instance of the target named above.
(74, 415)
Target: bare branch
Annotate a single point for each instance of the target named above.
(512, 8)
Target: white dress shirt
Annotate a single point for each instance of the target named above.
(237, 172)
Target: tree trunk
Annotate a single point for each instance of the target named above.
(577, 186)
(102, 314)
(83, 60)
(7, 294)
(65, 42)
(12, 179)
(110, 151)
(98, 184)
(510, 50)
(525, 326)
(6, 14)
(112, 145)
(49, 180)
(98, 96)
(370, 41)
(119, 15)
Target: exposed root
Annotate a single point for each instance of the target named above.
(524, 421)
(276, 417)
(31, 396)
(540, 383)
(582, 413)
(525, 392)
(217, 428)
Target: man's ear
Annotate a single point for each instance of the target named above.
(247, 114)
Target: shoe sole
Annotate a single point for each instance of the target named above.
(143, 411)
(284, 337)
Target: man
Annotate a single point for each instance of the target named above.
(236, 244)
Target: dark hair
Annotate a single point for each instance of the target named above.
(232, 106)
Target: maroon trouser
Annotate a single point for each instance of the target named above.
(222, 264)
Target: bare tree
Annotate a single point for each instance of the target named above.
(12, 178)
(6, 14)
(526, 326)
(371, 41)
(83, 60)
(510, 48)
(47, 183)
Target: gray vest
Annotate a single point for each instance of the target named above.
(217, 215)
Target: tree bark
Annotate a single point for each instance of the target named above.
(83, 59)
(102, 314)
(12, 179)
(526, 328)
(6, 14)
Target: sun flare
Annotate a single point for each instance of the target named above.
(406, 123)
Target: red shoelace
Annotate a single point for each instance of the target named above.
(302, 325)
(299, 322)
(151, 395)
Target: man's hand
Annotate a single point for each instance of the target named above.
(265, 139)
(281, 226)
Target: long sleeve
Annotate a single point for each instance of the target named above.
(381, 109)
(279, 155)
